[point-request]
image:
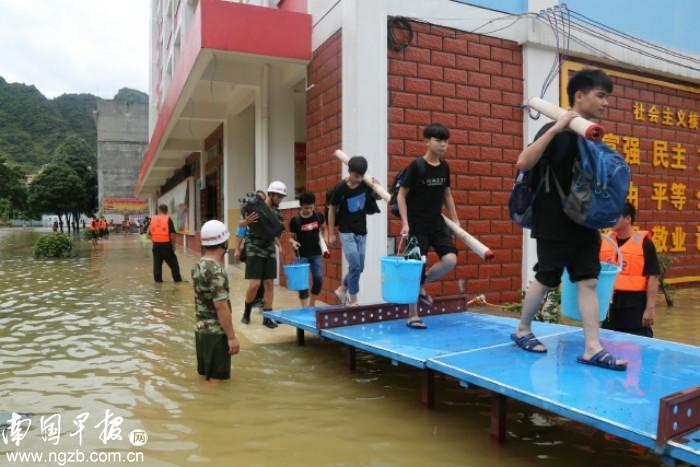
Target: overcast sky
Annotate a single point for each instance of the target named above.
(74, 46)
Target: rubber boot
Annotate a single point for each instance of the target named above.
(267, 322)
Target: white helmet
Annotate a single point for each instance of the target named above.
(277, 187)
(214, 233)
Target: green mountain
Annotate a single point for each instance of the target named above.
(32, 126)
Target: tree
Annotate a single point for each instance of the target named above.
(32, 126)
(13, 190)
(76, 153)
(54, 190)
(131, 95)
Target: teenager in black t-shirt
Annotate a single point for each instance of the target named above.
(350, 203)
(633, 308)
(306, 228)
(424, 190)
(560, 242)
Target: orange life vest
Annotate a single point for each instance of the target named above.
(632, 278)
(159, 230)
(93, 225)
(103, 224)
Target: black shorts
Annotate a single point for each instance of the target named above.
(213, 359)
(439, 239)
(257, 267)
(581, 260)
(626, 313)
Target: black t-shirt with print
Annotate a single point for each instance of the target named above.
(551, 223)
(351, 215)
(306, 231)
(426, 185)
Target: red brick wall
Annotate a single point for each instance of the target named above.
(620, 122)
(324, 136)
(472, 84)
(287, 253)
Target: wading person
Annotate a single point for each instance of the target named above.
(215, 339)
(162, 233)
(239, 255)
(351, 201)
(306, 228)
(633, 307)
(261, 255)
(562, 243)
(94, 230)
(425, 189)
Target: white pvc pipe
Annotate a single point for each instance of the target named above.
(324, 247)
(472, 243)
(580, 125)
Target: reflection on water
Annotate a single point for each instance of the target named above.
(93, 332)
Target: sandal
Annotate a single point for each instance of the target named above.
(528, 342)
(603, 359)
(416, 323)
(425, 299)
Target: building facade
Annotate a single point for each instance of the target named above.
(122, 139)
(249, 92)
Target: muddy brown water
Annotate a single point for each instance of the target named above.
(93, 333)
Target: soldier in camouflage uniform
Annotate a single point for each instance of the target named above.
(215, 339)
(261, 260)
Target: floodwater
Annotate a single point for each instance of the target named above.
(93, 334)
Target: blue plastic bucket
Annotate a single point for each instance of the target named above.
(604, 289)
(400, 279)
(297, 276)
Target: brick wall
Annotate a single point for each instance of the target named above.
(324, 136)
(472, 84)
(664, 216)
(287, 253)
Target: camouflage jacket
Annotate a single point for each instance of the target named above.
(210, 284)
(261, 247)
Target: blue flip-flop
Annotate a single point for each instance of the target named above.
(528, 342)
(603, 359)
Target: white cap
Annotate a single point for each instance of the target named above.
(214, 233)
(277, 187)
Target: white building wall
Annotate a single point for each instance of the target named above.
(281, 130)
(239, 160)
(365, 117)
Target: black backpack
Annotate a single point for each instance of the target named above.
(268, 226)
(522, 197)
(396, 185)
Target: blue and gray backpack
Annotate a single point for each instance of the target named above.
(599, 188)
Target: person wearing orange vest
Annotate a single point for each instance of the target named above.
(633, 306)
(162, 233)
(101, 226)
(95, 228)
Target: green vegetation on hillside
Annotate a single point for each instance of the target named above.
(32, 126)
(53, 142)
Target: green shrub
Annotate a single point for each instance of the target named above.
(549, 312)
(86, 234)
(54, 245)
